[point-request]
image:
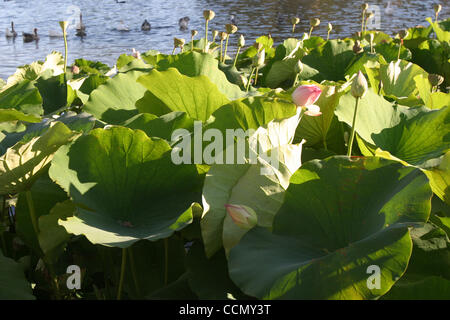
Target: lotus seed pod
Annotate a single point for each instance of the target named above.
(209, 15)
(370, 16)
(364, 6)
(403, 34)
(231, 28)
(215, 34)
(357, 47)
(359, 86)
(223, 35)
(314, 22)
(178, 43)
(298, 67)
(241, 41)
(435, 79)
(437, 8)
(194, 33)
(64, 25)
(295, 20)
(243, 216)
(258, 46)
(330, 27)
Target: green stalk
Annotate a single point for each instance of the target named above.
(310, 31)
(362, 23)
(173, 51)
(235, 58)
(256, 76)
(328, 36)
(122, 273)
(133, 271)
(221, 49)
(206, 35)
(250, 79)
(192, 43)
(226, 48)
(293, 28)
(352, 136)
(32, 212)
(65, 50)
(166, 261)
(399, 49)
(296, 79)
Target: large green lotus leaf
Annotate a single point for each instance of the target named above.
(440, 178)
(52, 237)
(414, 135)
(194, 64)
(53, 66)
(91, 67)
(114, 101)
(161, 127)
(45, 194)
(339, 217)
(252, 113)
(442, 35)
(331, 59)
(433, 56)
(283, 72)
(7, 115)
(81, 122)
(53, 91)
(13, 284)
(83, 86)
(197, 96)
(398, 81)
(23, 97)
(25, 161)
(430, 288)
(364, 60)
(435, 100)
(259, 185)
(126, 185)
(390, 51)
(324, 129)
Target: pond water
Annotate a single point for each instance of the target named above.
(253, 17)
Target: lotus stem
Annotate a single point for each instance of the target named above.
(250, 79)
(256, 75)
(296, 79)
(192, 43)
(206, 35)
(328, 35)
(65, 51)
(352, 135)
(235, 58)
(399, 49)
(221, 50)
(310, 31)
(173, 51)
(166, 261)
(293, 28)
(32, 212)
(122, 273)
(226, 48)
(133, 271)
(362, 22)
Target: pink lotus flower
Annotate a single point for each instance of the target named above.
(243, 216)
(306, 96)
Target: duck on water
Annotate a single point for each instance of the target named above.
(146, 26)
(81, 28)
(183, 23)
(12, 33)
(29, 37)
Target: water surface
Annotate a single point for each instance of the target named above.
(253, 17)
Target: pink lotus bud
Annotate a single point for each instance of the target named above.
(306, 95)
(243, 216)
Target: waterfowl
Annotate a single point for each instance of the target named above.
(12, 33)
(29, 37)
(122, 27)
(233, 19)
(146, 26)
(81, 28)
(120, 1)
(389, 10)
(183, 23)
